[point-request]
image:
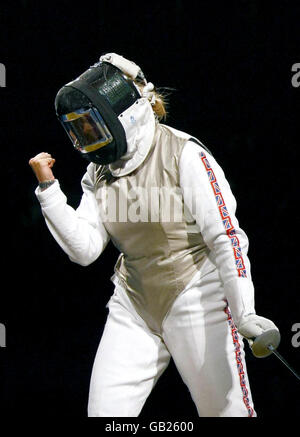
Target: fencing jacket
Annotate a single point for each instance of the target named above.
(171, 219)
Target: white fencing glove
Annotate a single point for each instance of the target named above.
(260, 333)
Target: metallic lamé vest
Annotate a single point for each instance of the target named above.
(144, 214)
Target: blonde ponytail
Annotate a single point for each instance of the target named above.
(160, 105)
(158, 101)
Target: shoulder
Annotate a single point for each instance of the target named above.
(188, 139)
(186, 143)
(172, 132)
(170, 141)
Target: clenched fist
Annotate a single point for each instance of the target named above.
(42, 165)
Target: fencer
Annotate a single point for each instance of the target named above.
(182, 283)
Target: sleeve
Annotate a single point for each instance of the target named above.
(208, 196)
(80, 233)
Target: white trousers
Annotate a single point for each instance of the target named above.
(198, 333)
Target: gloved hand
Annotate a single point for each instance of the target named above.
(260, 333)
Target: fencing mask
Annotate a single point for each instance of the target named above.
(89, 107)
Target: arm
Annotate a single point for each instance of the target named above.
(208, 196)
(80, 233)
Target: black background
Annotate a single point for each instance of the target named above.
(230, 64)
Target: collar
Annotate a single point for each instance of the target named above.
(139, 124)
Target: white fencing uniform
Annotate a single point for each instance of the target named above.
(173, 278)
(199, 336)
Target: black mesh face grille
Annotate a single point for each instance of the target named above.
(112, 84)
(118, 91)
(68, 99)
